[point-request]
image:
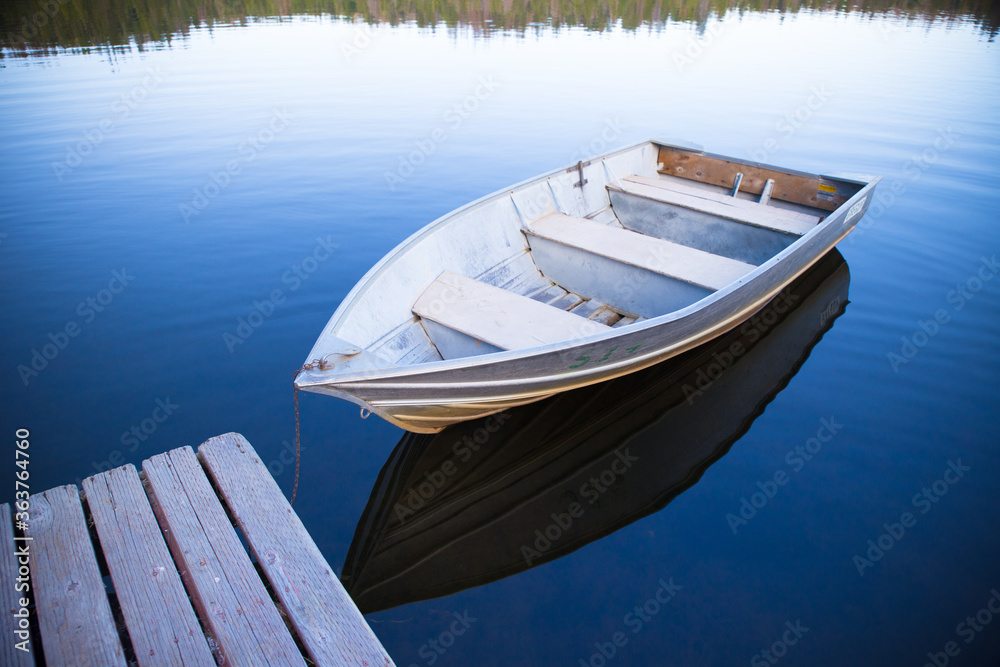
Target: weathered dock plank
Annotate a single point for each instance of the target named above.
(158, 614)
(11, 591)
(74, 616)
(325, 617)
(227, 592)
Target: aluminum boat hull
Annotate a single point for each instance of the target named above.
(432, 393)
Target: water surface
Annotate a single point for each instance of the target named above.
(193, 191)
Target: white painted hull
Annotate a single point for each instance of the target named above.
(354, 359)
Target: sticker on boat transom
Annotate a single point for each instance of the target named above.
(826, 192)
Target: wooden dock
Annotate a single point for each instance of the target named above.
(149, 568)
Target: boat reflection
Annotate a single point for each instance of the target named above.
(486, 499)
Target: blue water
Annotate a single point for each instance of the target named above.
(153, 200)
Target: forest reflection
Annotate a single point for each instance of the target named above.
(32, 27)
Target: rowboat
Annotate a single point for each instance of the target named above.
(490, 498)
(577, 276)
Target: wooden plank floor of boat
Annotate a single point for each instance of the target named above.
(501, 318)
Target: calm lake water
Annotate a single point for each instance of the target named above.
(187, 196)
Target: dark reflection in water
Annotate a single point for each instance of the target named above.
(490, 498)
(31, 27)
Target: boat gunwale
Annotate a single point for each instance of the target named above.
(315, 378)
(365, 282)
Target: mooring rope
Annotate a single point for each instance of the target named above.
(322, 364)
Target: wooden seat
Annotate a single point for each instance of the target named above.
(495, 316)
(718, 204)
(712, 272)
(689, 188)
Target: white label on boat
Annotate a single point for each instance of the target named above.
(855, 209)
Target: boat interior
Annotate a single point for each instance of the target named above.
(634, 235)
